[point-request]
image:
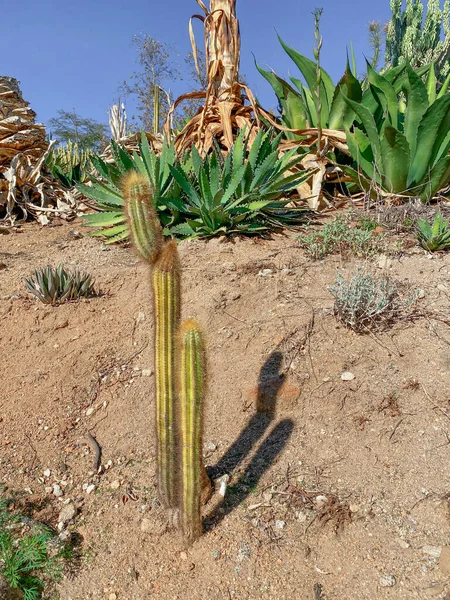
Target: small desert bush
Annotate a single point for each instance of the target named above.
(354, 237)
(363, 302)
(30, 554)
(57, 285)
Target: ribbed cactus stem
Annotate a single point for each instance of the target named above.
(166, 288)
(192, 393)
(145, 228)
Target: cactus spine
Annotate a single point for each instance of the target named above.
(166, 288)
(192, 392)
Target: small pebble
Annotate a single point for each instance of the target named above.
(67, 514)
(115, 485)
(347, 376)
(57, 491)
(183, 556)
(387, 580)
(146, 372)
(280, 524)
(265, 272)
(320, 501)
(433, 551)
(47, 473)
(90, 488)
(211, 447)
(90, 411)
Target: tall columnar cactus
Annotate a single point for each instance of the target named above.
(146, 234)
(166, 289)
(192, 393)
(411, 38)
(179, 366)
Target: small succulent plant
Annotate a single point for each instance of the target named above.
(434, 236)
(57, 285)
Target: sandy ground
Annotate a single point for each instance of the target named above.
(339, 490)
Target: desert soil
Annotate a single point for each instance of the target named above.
(338, 489)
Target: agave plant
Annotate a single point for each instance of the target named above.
(245, 192)
(400, 141)
(201, 197)
(298, 105)
(106, 191)
(435, 236)
(57, 285)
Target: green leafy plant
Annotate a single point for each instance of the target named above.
(105, 190)
(405, 151)
(363, 302)
(57, 285)
(28, 559)
(343, 235)
(246, 192)
(434, 236)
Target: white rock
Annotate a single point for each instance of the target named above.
(211, 447)
(90, 488)
(301, 517)
(115, 485)
(320, 501)
(146, 372)
(403, 544)
(265, 272)
(280, 524)
(433, 551)
(57, 491)
(90, 411)
(387, 580)
(47, 473)
(347, 376)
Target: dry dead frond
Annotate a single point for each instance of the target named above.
(26, 186)
(229, 106)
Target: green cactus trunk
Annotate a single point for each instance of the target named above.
(166, 288)
(192, 392)
(179, 365)
(143, 222)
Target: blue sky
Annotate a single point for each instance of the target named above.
(74, 55)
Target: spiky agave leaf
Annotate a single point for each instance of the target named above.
(57, 285)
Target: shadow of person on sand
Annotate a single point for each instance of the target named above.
(269, 383)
